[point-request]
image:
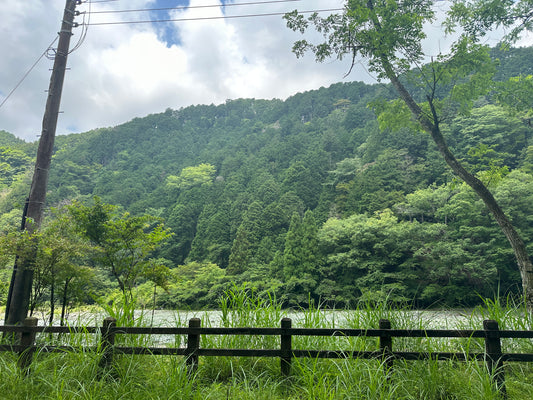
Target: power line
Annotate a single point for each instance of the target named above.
(84, 27)
(50, 52)
(210, 18)
(191, 7)
(28, 72)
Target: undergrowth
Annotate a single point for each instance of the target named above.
(77, 375)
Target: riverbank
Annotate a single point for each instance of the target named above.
(432, 319)
(76, 375)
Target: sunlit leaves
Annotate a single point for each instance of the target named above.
(200, 175)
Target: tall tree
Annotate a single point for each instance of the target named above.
(292, 254)
(389, 35)
(241, 255)
(124, 242)
(301, 257)
(59, 261)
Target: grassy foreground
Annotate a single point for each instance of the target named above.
(77, 376)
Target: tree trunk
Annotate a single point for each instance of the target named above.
(64, 302)
(431, 125)
(52, 300)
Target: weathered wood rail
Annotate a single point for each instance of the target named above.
(491, 334)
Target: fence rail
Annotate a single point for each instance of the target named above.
(493, 356)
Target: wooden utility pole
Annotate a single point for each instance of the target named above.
(22, 278)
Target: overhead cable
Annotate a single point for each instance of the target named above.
(191, 7)
(84, 27)
(28, 72)
(209, 18)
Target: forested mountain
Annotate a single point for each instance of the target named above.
(305, 197)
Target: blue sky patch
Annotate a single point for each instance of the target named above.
(166, 31)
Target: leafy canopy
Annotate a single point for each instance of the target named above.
(389, 35)
(370, 29)
(479, 17)
(124, 242)
(189, 177)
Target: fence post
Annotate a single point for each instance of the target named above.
(493, 351)
(385, 346)
(286, 348)
(107, 341)
(27, 340)
(193, 344)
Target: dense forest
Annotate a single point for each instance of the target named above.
(306, 199)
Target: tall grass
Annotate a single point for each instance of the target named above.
(76, 375)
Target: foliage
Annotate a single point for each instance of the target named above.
(76, 374)
(389, 35)
(61, 274)
(123, 242)
(193, 286)
(350, 33)
(192, 176)
(301, 259)
(227, 180)
(478, 17)
(62, 264)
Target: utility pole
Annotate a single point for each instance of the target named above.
(22, 278)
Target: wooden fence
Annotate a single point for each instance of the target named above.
(492, 335)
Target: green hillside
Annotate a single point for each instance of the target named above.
(305, 197)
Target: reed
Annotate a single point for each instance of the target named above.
(75, 375)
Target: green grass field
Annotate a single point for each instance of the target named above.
(76, 375)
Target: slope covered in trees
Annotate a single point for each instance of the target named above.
(305, 197)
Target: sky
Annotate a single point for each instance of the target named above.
(122, 71)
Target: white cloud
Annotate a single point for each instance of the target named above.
(124, 71)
